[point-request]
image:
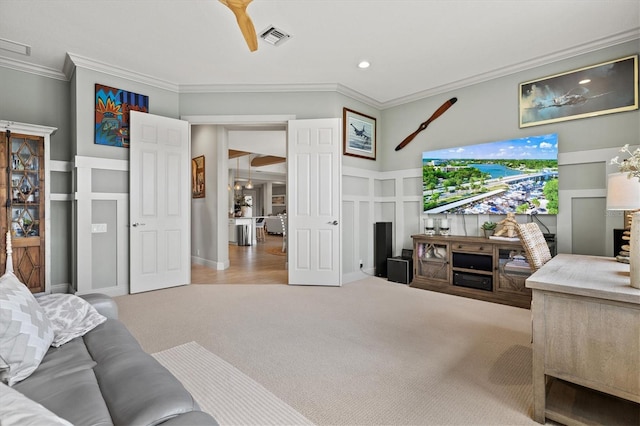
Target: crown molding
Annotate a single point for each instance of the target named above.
(279, 88)
(22, 66)
(72, 61)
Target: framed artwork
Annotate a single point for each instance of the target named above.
(358, 134)
(197, 177)
(277, 200)
(112, 114)
(600, 89)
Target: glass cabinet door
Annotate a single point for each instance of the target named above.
(512, 269)
(25, 187)
(433, 260)
(22, 190)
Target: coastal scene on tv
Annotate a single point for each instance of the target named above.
(511, 176)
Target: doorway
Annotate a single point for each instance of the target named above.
(264, 261)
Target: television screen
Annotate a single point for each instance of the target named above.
(511, 176)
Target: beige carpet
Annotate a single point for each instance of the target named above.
(223, 391)
(370, 352)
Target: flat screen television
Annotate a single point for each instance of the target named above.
(511, 176)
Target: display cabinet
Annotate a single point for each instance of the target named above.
(22, 186)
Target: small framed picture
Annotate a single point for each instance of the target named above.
(358, 134)
(197, 177)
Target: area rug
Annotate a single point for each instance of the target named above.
(223, 391)
(276, 250)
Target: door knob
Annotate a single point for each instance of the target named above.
(135, 225)
(335, 222)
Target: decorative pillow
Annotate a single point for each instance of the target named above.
(25, 330)
(16, 409)
(70, 315)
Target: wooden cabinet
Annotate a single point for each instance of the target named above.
(24, 202)
(475, 267)
(586, 342)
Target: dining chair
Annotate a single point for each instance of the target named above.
(260, 232)
(283, 220)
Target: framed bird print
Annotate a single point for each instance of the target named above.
(358, 134)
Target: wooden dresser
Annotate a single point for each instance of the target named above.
(586, 342)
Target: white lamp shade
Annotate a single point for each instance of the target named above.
(623, 193)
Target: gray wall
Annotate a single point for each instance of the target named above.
(488, 112)
(204, 211)
(33, 99)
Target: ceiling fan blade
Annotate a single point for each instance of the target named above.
(239, 9)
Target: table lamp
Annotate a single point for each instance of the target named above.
(623, 193)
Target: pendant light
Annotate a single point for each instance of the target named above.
(249, 184)
(237, 186)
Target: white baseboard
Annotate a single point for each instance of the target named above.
(220, 266)
(62, 288)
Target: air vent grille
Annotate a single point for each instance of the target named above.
(274, 36)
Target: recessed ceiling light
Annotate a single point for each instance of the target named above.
(364, 64)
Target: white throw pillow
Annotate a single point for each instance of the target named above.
(70, 315)
(25, 331)
(18, 410)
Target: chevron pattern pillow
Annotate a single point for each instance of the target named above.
(25, 331)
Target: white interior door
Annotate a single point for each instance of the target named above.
(314, 200)
(160, 202)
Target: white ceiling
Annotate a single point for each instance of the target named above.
(417, 48)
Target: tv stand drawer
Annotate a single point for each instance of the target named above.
(472, 247)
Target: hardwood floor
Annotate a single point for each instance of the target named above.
(263, 263)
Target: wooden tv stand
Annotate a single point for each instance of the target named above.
(475, 267)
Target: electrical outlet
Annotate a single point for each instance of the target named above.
(98, 228)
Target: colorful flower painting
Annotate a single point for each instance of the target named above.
(112, 114)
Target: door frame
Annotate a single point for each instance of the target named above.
(222, 228)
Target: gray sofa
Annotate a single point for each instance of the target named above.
(105, 378)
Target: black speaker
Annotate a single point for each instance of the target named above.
(381, 247)
(400, 270)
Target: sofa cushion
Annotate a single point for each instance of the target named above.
(75, 396)
(137, 388)
(70, 316)
(25, 331)
(66, 374)
(18, 410)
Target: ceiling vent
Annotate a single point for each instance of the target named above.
(274, 36)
